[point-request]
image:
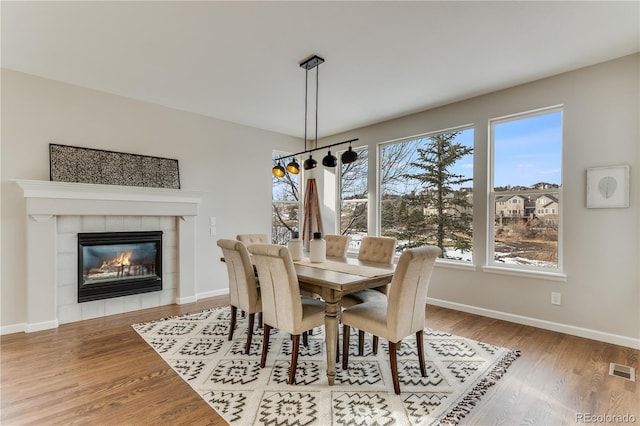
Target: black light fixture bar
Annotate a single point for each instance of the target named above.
(316, 149)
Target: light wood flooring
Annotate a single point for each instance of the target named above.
(100, 372)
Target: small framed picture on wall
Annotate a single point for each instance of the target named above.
(608, 187)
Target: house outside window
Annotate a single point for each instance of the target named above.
(426, 192)
(525, 191)
(285, 204)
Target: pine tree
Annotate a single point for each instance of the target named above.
(447, 218)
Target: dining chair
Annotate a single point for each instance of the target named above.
(401, 313)
(244, 292)
(378, 250)
(282, 305)
(337, 245)
(253, 238)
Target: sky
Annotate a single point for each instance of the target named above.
(528, 150)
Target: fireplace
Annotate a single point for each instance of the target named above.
(114, 264)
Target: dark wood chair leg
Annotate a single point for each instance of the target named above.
(375, 345)
(247, 345)
(345, 347)
(265, 345)
(294, 358)
(393, 360)
(305, 339)
(337, 348)
(420, 345)
(260, 320)
(232, 325)
(360, 342)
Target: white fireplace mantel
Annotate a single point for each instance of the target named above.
(46, 200)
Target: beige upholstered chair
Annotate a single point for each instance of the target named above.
(243, 285)
(377, 249)
(282, 305)
(253, 238)
(372, 249)
(401, 314)
(337, 245)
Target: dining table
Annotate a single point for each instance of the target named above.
(331, 280)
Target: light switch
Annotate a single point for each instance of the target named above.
(212, 230)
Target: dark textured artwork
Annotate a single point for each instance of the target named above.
(86, 165)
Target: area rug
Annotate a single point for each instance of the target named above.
(459, 372)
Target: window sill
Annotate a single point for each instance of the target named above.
(452, 264)
(551, 276)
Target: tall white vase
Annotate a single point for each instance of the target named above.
(317, 248)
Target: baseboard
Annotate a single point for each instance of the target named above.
(213, 293)
(39, 326)
(600, 336)
(183, 300)
(14, 328)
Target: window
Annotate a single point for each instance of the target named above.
(285, 204)
(354, 202)
(426, 192)
(526, 171)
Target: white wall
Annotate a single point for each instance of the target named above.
(600, 298)
(229, 162)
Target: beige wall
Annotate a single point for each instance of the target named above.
(229, 162)
(600, 298)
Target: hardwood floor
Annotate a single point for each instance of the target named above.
(101, 372)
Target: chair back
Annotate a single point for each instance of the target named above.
(279, 289)
(407, 296)
(337, 245)
(377, 249)
(243, 289)
(253, 238)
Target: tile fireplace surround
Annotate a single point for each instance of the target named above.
(57, 211)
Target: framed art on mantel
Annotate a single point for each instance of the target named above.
(608, 187)
(88, 165)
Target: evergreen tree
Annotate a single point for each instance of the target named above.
(447, 217)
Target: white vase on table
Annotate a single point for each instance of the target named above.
(317, 248)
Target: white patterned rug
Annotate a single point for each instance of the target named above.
(459, 372)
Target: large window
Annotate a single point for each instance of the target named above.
(354, 203)
(285, 196)
(426, 192)
(525, 190)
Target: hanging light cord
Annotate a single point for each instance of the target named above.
(306, 90)
(317, 79)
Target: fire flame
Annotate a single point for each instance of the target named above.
(120, 260)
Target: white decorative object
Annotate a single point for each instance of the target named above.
(295, 246)
(317, 248)
(608, 187)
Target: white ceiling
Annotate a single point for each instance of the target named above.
(239, 61)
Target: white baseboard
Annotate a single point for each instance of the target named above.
(183, 300)
(213, 293)
(45, 325)
(13, 328)
(615, 339)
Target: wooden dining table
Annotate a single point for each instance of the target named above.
(333, 279)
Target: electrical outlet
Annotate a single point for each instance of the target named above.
(556, 298)
(212, 231)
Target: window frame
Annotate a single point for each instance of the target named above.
(491, 265)
(352, 250)
(461, 264)
(275, 154)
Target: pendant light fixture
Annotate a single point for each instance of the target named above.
(349, 156)
(310, 163)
